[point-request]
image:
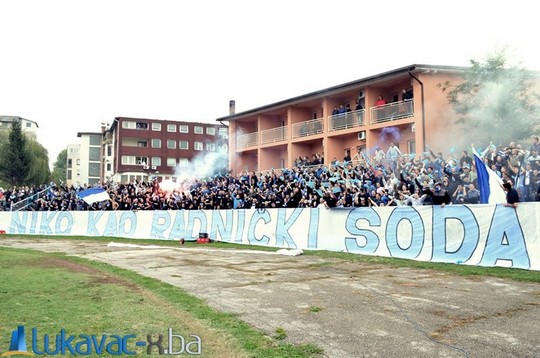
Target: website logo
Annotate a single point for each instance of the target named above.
(17, 344)
(113, 344)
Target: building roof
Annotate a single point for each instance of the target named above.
(117, 119)
(363, 81)
(15, 118)
(80, 134)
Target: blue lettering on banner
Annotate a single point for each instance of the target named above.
(19, 227)
(69, 225)
(505, 240)
(240, 225)
(45, 226)
(200, 216)
(161, 220)
(178, 230)
(33, 222)
(111, 228)
(283, 226)
(418, 231)
(221, 229)
(124, 218)
(262, 214)
(313, 228)
(93, 218)
(461, 215)
(370, 240)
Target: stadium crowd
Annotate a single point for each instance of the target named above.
(381, 179)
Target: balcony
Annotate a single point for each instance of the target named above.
(247, 140)
(392, 111)
(346, 120)
(273, 135)
(307, 128)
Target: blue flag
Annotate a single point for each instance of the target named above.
(93, 194)
(489, 183)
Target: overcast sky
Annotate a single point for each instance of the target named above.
(70, 65)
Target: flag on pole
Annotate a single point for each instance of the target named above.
(489, 183)
(93, 195)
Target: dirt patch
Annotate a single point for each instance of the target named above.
(97, 276)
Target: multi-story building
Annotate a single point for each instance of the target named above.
(414, 114)
(84, 160)
(73, 165)
(28, 127)
(139, 148)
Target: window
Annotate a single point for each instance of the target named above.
(198, 130)
(128, 159)
(133, 160)
(156, 143)
(128, 125)
(171, 127)
(94, 140)
(171, 144)
(141, 125)
(210, 130)
(225, 147)
(156, 161)
(224, 132)
(69, 163)
(183, 162)
(141, 160)
(156, 126)
(142, 144)
(93, 169)
(182, 128)
(183, 144)
(78, 162)
(28, 124)
(109, 167)
(197, 146)
(210, 147)
(171, 162)
(94, 153)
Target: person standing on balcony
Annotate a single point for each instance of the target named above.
(406, 97)
(380, 103)
(348, 115)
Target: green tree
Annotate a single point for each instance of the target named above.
(38, 172)
(14, 160)
(59, 173)
(495, 102)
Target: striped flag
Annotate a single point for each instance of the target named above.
(93, 195)
(489, 183)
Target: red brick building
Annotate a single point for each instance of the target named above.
(139, 148)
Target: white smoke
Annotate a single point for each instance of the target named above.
(202, 167)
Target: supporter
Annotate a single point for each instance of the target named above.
(353, 183)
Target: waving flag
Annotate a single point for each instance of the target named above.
(489, 183)
(93, 194)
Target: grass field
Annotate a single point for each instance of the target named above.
(52, 292)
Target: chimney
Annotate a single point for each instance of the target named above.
(232, 108)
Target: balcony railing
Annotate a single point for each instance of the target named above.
(273, 135)
(247, 140)
(392, 111)
(346, 120)
(307, 128)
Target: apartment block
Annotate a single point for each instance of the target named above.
(140, 148)
(347, 119)
(28, 127)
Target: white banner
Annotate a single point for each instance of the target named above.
(484, 235)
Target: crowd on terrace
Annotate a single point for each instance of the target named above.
(383, 178)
